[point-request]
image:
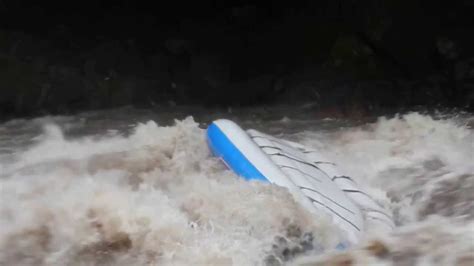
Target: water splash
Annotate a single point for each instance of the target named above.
(149, 194)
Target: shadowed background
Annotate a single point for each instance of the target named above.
(61, 57)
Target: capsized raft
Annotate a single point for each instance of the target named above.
(314, 182)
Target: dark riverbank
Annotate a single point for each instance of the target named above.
(363, 56)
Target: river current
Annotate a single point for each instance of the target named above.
(140, 187)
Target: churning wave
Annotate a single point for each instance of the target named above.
(149, 194)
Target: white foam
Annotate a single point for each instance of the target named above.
(156, 196)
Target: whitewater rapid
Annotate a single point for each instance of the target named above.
(139, 187)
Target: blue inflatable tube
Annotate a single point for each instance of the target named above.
(222, 147)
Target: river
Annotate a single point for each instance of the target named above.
(139, 187)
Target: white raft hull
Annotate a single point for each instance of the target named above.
(313, 182)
